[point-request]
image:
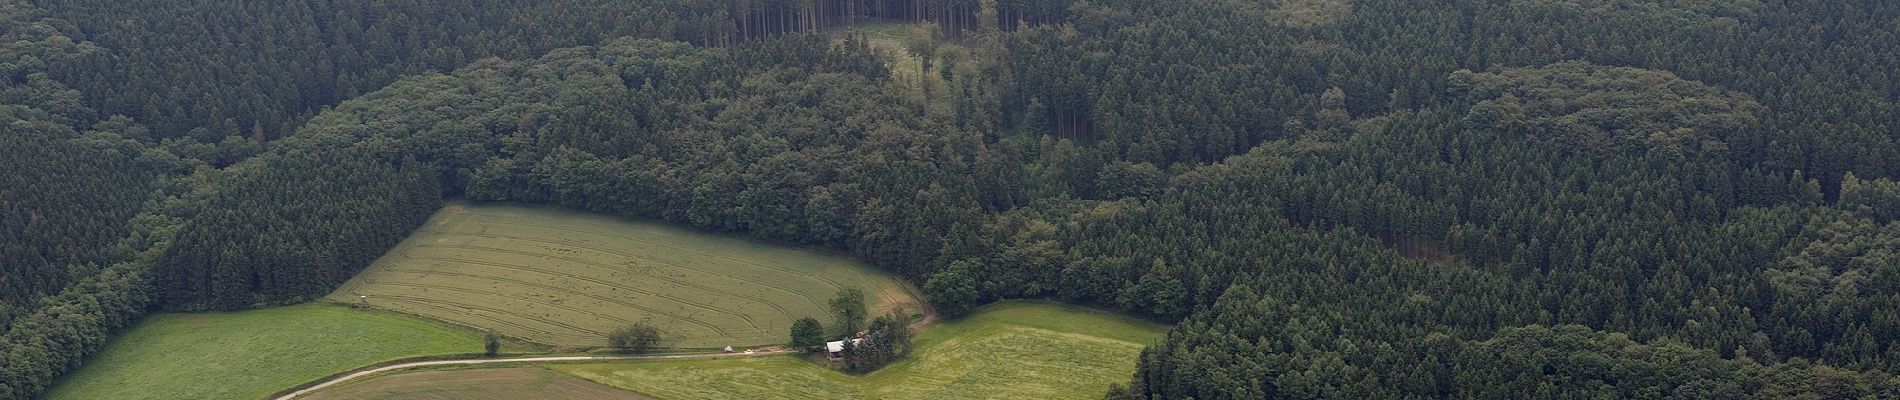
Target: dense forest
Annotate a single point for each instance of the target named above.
(1332, 199)
(267, 66)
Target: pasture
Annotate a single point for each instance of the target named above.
(1021, 350)
(474, 384)
(567, 279)
(251, 354)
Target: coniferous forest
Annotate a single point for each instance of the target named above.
(1327, 198)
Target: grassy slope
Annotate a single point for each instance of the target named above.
(568, 278)
(1027, 350)
(474, 384)
(251, 354)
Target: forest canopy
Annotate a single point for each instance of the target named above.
(1332, 199)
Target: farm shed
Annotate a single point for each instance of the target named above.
(835, 349)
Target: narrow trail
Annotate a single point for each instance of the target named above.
(419, 364)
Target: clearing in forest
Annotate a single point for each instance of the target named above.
(1017, 350)
(567, 279)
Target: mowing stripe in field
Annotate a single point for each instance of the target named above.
(610, 267)
(567, 278)
(463, 264)
(575, 242)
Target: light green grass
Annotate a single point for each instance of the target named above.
(567, 278)
(1012, 350)
(252, 354)
(511, 383)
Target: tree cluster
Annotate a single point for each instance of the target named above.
(885, 341)
(640, 338)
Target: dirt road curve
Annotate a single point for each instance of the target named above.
(930, 315)
(368, 372)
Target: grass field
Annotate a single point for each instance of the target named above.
(566, 278)
(249, 355)
(474, 384)
(1013, 350)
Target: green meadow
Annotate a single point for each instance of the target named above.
(510, 383)
(1020, 350)
(252, 354)
(567, 279)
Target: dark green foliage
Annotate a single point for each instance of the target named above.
(491, 343)
(807, 333)
(1528, 209)
(886, 341)
(1124, 179)
(96, 211)
(640, 338)
(1197, 81)
(1878, 199)
(70, 326)
(205, 71)
(63, 202)
(953, 291)
(289, 227)
(72, 182)
(84, 210)
(1365, 199)
(848, 308)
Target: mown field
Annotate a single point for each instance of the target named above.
(252, 354)
(567, 279)
(1014, 350)
(474, 384)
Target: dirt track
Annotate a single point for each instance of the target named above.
(930, 315)
(373, 371)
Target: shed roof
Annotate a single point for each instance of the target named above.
(838, 346)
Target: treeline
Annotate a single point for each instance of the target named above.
(62, 329)
(792, 140)
(1253, 346)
